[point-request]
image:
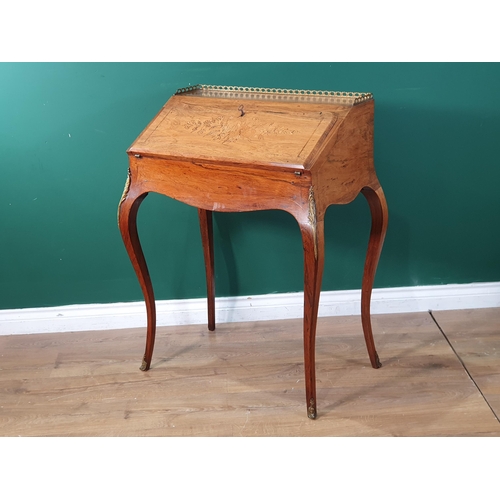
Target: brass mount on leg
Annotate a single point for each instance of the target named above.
(144, 365)
(311, 409)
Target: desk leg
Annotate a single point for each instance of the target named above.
(313, 242)
(127, 221)
(379, 213)
(207, 240)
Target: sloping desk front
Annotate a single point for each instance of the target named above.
(233, 149)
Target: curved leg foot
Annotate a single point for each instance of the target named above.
(127, 222)
(313, 242)
(379, 213)
(206, 228)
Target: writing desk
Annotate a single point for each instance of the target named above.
(239, 149)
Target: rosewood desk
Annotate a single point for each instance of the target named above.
(239, 149)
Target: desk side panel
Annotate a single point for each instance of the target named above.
(345, 165)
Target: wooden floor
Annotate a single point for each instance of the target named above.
(440, 377)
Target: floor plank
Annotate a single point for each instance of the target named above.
(475, 336)
(243, 379)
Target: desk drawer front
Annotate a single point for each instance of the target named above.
(222, 188)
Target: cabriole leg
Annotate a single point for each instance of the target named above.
(379, 213)
(313, 242)
(127, 222)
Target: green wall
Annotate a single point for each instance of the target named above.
(65, 127)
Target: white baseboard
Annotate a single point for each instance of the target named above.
(255, 308)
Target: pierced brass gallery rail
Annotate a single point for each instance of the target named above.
(349, 98)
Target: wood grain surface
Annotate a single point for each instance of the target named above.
(240, 131)
(475, 336)
(246, 379)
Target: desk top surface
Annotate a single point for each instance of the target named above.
(245, 126)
